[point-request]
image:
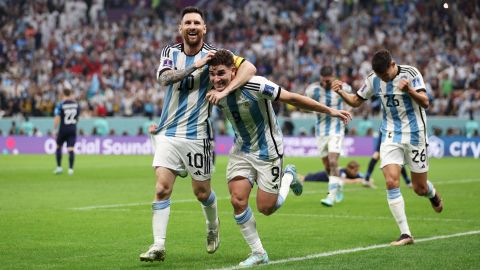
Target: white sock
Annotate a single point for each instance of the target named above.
(161, 214)
(340, 184)
(397, 207)
(333, 182)
(431, 190)
(248, 227)
(284, 189)
(209, 208)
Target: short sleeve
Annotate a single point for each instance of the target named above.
(263, 87)
(366, 91)
(166, 61)
(417, 81)
(347, 88)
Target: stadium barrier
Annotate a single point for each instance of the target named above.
(293, 146)
(131, 125)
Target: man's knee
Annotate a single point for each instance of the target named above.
(239, 203)
(202, 194)
(162, 190)
(391, 182)
(332, 162)
(421, 190)
(266, 210)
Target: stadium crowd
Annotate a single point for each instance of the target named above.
(109, 50)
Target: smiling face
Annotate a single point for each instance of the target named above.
(221, 76)
(192, 28)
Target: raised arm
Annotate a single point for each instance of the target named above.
(171, 76)
(307, 103)
(351, 99)
(244, 73)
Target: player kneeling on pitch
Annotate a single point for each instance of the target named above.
(258, 150)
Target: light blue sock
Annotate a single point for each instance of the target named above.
(210, 200)
(431, 190)
(244, 216)
(280, 201)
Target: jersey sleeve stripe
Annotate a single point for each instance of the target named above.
(161, 71)
(361, 97)
(209, 47)
(415, 73)
(165, 51)
(404, 71)
(251, 88)
(278, 94)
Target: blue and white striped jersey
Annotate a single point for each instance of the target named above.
(327, 125)
(404, 121)
(185, 110)
(249, 109)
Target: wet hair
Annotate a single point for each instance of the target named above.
(222, 57)
(326, 71)
(191, 9)
(381, 61)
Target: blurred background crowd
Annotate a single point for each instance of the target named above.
(109, 50)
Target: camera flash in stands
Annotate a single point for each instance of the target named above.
(445, 5)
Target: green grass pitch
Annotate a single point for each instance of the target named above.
(100, 218)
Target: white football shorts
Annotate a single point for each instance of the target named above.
(329, 144)
(266, 173)
(180, 154)
(415, 157)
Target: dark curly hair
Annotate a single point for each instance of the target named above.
(381, 61)
(222, 57)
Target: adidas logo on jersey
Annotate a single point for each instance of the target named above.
(198, 173)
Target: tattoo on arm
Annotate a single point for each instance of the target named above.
(173, 76)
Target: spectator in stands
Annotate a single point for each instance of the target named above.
(471, 127)
(43, 42)
(27, 126)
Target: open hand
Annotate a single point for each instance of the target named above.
(342, 114)
(203, 61)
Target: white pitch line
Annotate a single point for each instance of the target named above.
(460, 181)
(352, 250)
(93, 207)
